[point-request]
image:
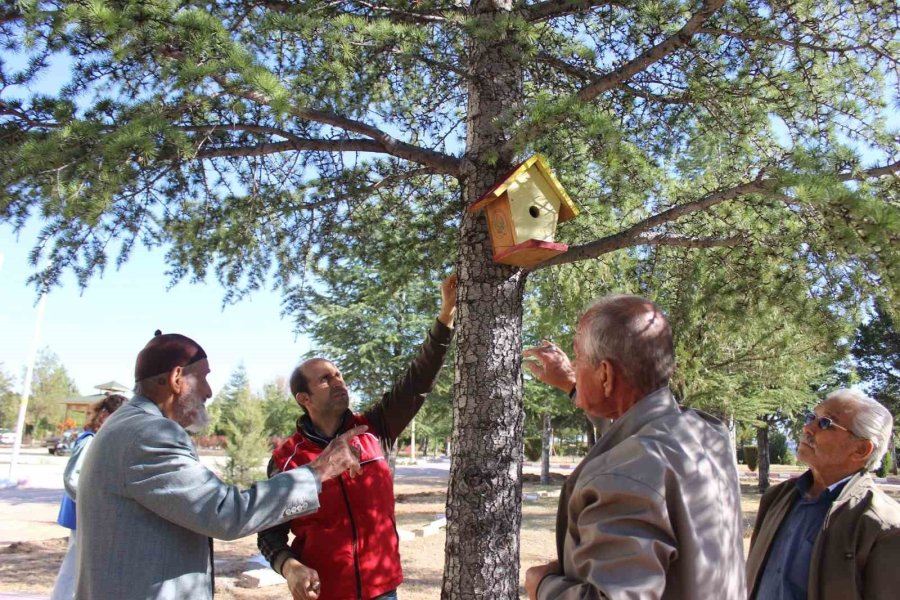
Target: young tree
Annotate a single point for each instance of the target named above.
(248, 445)
(280, 409)
(9, 401)
(242, 421)
(242, 137)
(876, 352)
(50, 386)
(236, 390)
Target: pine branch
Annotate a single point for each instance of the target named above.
(344, 145)
(553, 9)
(248, 127)
(367, 191)
(585, 75)
(374, 9)
(620, 75)
(387, 144)
(651, 55)
(635, 235)
(625, 239)
(408, 16)
(743, 35)
(680, 241)
(23, 118)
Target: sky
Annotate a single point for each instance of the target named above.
(98, 332)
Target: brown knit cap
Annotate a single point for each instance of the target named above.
(164, 352)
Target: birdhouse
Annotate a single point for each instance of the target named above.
(522, 211)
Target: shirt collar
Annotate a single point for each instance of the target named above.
(305, 424)
(831, 492)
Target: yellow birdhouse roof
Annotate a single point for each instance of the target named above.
(536, 166)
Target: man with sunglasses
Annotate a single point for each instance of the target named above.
(350, 549)
(831, 534)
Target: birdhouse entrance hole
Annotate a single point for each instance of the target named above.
(534, 211)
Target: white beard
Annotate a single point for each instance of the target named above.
(200, 422)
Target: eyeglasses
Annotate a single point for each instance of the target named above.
(824, 422)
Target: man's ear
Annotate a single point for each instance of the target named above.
(302, 399)
(175, 380)
(607, 376)
(863, 450)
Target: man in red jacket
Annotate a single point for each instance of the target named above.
(349, 549)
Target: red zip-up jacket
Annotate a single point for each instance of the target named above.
(352, 540)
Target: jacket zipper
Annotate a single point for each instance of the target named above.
(353, 537)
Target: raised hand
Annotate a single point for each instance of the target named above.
(448, 300)
(551, 365)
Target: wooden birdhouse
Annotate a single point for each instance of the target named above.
(522, 211)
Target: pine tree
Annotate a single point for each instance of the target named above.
(281, 411)
(50, 387)
(243, 423)
(247, 139)
(9, 401)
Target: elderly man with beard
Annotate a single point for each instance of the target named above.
(147, 508)
(831, 534)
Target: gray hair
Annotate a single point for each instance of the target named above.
(632, 333)
(871, 421)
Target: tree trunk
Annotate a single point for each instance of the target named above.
(412, 441)
(484, 497)
(891, 450)
(591, 431)
(732, 438)
(546, 436)
(762, 445)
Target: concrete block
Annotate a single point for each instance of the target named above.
(258, 578)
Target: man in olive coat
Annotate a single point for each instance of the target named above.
(831, 534)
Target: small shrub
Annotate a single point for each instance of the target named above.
(887, 465)
(751, 457)
(533, 449)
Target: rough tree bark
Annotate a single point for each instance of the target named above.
(485, 491)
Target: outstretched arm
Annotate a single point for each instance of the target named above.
(401, 403)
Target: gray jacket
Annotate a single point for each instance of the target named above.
(147, 509)
(653, 511)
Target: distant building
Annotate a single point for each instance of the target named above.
(79, 404)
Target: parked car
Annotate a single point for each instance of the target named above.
(61, 444)
(7, 437)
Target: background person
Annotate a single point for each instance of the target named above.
(831, 533)
(64, 588)
(147, 508)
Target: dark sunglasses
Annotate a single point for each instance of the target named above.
(824, 422)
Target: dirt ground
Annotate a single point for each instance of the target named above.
(31, 566)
